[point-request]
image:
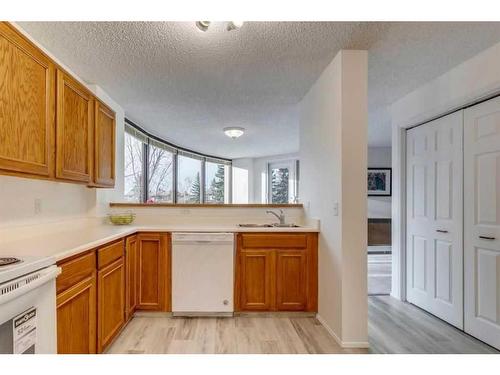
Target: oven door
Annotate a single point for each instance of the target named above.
(28, 313)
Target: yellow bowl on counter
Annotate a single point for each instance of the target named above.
(122, 218)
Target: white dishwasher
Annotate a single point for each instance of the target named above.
(202, 274)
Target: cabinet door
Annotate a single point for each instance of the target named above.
(27, 97)
(104, 146)
(131, 272)
(291, 272)
(434, 209)
(256, 279)
(76, 318)
(154, 272)
(111, 302)
(74, 126)
(482, 221)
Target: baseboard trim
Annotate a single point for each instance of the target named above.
(343, 344)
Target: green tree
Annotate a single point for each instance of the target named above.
(279, 185)
(217, 185)
(195, 192)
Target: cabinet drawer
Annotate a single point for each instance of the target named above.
(109, 253)
(273, 240)
(76, 270)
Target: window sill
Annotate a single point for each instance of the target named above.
(207, 205)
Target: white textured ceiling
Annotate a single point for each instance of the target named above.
(185, 85)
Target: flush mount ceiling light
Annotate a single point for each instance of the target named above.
(202, 25)
(234, 131)
(231, 25)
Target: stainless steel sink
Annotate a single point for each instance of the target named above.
(255, 225)
(278, 225)
(274, 225)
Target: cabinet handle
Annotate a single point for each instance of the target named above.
(441, 231)
(486, 238)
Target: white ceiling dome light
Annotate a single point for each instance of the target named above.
(202, 25)
(234, 131)
(231, 25)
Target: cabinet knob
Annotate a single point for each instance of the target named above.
(225, 302)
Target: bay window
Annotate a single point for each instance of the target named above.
(159, 172)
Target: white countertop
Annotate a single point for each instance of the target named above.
(65, 243)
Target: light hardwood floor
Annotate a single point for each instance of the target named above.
(398, 327)
(240, 335)
(394, 327)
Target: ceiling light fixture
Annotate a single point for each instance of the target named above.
(234, 131)
(233, 25)
(202, 25)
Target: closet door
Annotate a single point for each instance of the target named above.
(434, 217)
(482, 221)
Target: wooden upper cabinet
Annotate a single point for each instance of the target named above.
(27, 97)
(104, 146)
(74, 130)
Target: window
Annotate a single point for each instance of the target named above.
(216, 179)
(188, 180)
(283, 182)
(134, 167)
(160, 173)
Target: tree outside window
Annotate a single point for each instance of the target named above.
(160, 175)
(279, 185)
(133, 168)
(214, 184)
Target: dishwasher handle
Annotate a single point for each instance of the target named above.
(201, 238)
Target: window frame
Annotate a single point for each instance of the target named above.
(131, 127)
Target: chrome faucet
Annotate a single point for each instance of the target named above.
(281, 216)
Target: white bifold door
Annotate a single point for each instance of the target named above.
(482, 221)
(434, 248)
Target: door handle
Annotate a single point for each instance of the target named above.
(441, 231)
(486, 238)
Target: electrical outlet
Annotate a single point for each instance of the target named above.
(38, 206)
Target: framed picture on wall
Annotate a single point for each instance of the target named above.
(379, 182)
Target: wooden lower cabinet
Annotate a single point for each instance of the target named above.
(154, 277)
(131, 275)
(76, 318)
(276, 272)
(257, 279)
(291, 280)
(110, 302)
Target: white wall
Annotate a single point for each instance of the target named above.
(243, 180)
(476, 78)
(379, 157)
(59, 200)
(333, 154)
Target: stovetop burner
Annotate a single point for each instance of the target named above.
(9, 261)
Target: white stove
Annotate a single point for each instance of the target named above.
(28, 305)
(12, 267)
